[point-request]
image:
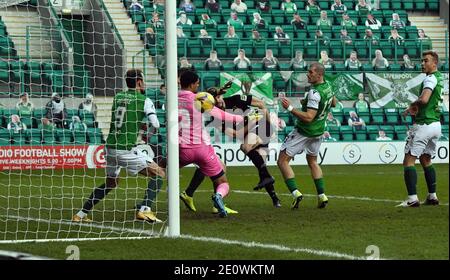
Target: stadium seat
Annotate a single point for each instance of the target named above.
(388, 129)
(360, 134)
(338, 114)
(80, 137)
(346, 133)
(406, 120)
(49, 137)
(95, 135)
(401, 131)
(5, 139)
(161, 114)
(372, 131)
(445, 130)
(34, 136)
(377, 115)
(391, 115)
(64, 136)
(433, 5)
(445, 117)
(365, 115)
(19, 139)
(408, 4)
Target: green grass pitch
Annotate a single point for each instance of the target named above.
(361, 212)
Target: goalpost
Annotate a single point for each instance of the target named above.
(74, 49)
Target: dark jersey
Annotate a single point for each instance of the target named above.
(241, 102)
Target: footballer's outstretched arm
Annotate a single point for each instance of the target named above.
(256, 102)
(224, 116)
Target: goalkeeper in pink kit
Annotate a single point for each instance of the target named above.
(194, 141)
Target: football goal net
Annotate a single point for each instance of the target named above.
(62, 63)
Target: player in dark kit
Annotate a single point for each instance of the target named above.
(256, 138)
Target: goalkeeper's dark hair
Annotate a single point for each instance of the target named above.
(188, 78)
(213, 91)
(133, 76)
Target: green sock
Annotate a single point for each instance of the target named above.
(290, 183)
(320, 185)
(430, 177)
(154, 185)
(410, 176)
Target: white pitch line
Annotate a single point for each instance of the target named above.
(274, 247)
(361, 198)
(150, 235)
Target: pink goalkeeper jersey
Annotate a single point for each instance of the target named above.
(192, 133)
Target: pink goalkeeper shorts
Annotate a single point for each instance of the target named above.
(204, 157)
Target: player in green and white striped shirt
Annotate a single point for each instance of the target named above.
(423, 136)
(307, 135)
(129, 109)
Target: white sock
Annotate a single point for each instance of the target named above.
(321, 195)
(81, 214)
(432, 196)
(145, 208)
(412, 198)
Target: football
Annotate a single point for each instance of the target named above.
(204, 102)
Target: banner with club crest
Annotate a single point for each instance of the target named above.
(393, 90)
(258, 84)
(346, 86)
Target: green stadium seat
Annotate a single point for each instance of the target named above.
(377, 115)
(395, 66)
(365, 115)
(420, 4)
(273, 45)
(80, 137)
(5, 139)
(444, 130)
(391, 115)
(336, 49)
(337, 114)
(49, 137)
(19, 139)
(396, 4)
(222, 49)
(408, 4)
(372, 131)
(445, 117)
(64, 136)
(278, 17)
(247, 46)
(411, 49)
(35, 136)
(388, 129)
(333, 129)
(95, 135)
(401, 131)
(360, 134)
(433, 5)
(346, 133)
(406, 120)
(28, 121)
(161, 114)
(278, 82)
(194, 48)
